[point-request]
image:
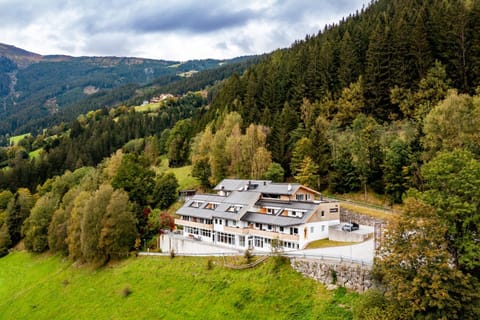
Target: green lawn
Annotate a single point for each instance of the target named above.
(325, 243)
(15, 139)
(48, 287)
(35, 153)
(148, 107)
(183, 174)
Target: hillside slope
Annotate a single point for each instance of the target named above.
(35, 87)
(44, 287)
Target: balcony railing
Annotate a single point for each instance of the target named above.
(262, 233)
(192, 224)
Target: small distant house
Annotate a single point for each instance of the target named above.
(246, 214)
(163, 96)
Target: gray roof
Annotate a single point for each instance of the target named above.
(238, 184)
(245, 199)
(271, 219)
(264, 186)
(248, 199)
(308, 206)
(279, 188)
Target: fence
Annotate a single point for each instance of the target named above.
(338, 258)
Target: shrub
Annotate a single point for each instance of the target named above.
(126, 292)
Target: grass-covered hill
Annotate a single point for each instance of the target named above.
(46, 287)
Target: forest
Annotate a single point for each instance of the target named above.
(386, 101)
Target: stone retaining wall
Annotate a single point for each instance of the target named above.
(347, 216)
(333, 274)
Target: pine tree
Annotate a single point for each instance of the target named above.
(17, 211)
(307, 174)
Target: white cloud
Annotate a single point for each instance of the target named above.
(173, 30)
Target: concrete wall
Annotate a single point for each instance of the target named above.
(179, 244)
(333, 274)
(335, 233)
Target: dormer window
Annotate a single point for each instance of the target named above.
(295, 213)
(196, 204)
(234, 208)
(211, 205)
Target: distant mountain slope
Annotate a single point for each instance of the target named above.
(35, 87)
(22, 58)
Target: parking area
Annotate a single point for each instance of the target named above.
(364, 251)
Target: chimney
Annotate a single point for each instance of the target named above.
(289, 187)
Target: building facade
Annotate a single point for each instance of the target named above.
(250, 214)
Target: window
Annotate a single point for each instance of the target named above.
(281, 229)
(258, 242)
(294, 231)
(258, 226)
(333, 210)
(299, 197)
(323, 228)
(211, 205)
(205, 233)
(234, 208)
(312, 229)
(270, 211)
(323, 213)
(269, 227)
(294, 213)
(226, 238)
(307, 196)
(196, 204)
(241, 241)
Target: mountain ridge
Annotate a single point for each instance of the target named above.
(35, 87)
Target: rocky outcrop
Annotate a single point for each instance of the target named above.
(347, 216)
(352, 276)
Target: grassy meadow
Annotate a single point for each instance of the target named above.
(50, 287)
(16, 139)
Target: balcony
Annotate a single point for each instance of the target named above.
(192, 224)
(262, 233)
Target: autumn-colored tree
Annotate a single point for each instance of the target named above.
(307, 173)
(418, 271)
(303, 148)
(260, 163)
(35, 227)
(454, 123)
(74, 229)
(5, 241)
(118, 231)
(91, 223)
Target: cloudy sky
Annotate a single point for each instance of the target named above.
(165, 29)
